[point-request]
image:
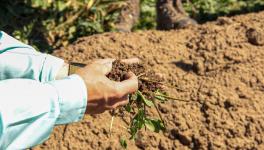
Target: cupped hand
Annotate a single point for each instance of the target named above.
(103, 93)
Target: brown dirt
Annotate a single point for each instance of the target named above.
(214, 65)
(149, 81)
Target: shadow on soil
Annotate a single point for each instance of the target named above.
(187, 67)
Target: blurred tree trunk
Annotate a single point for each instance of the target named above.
(171, 15)
(129, 16)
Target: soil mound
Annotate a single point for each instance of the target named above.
(219, 66)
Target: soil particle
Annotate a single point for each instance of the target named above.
(223, 79)
(224, 21)
(255, 36)
(198, 67)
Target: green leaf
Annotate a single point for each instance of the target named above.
(61, 5)
(150, 125)
(123, 143)
(154, 125)
(146, 101)
(159, 125)
(137, 123)
(128, 108)
(133, 132)
(160, 96)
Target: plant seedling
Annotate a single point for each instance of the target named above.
(149, 94)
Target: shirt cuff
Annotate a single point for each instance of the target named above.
(72, 94)
(50, 68)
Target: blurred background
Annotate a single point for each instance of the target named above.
(50, 24)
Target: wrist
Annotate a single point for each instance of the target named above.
(73, 67)
(69, 69)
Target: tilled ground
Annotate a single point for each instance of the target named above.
(219, 66)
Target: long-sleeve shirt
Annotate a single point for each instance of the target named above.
(32, 102)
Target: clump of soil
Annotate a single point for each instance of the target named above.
(149, 81)
(255, 36)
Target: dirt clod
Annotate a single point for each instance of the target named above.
(255, 36)
(149, 81)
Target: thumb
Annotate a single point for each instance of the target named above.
(128, 86)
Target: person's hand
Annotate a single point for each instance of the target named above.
(103, 93)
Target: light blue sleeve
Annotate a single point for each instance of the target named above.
(31, 101)
(29, 109)
(18, 60)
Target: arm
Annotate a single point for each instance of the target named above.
(18, 60)
(30, 109)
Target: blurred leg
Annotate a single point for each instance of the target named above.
(171, 15)
(179, 7)
(129, 16)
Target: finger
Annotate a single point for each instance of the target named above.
(119, 102)
(104, 61)
(128, 86)
(104, 65)
(131, 60)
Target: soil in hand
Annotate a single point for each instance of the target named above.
(149, 81)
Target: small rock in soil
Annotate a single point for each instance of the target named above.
(255, 36)
(224, 21)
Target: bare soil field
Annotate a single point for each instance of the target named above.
(218, 66)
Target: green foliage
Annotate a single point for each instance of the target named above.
(204, 10)
(154, 125)
(53, 23)
(160, 96)
(201, 10)
(137, 106)
(137, 123)
(143, 99)
(123, 143)
(147, 15)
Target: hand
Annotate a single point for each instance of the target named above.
(103, 93)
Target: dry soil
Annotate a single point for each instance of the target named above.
(218, 66)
